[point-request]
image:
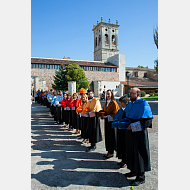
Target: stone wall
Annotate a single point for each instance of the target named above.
(153, 75)
(47, 75)
(101, 76)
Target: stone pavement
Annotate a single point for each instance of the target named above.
(58, 160)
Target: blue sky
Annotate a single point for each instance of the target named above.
(64, 28)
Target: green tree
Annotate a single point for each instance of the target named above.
(142, 66)
(83, 83)
(60, 82)
(156, 64)
(155, 36)
(75, 73)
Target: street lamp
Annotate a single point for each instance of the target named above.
(127, 74)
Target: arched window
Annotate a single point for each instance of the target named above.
(96, 42)
(113, 40)
(99, 40)
(106, 39)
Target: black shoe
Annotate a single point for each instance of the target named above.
(90, 149)
(130, 174)
(122, 165)
(108, 157)
(137, 182)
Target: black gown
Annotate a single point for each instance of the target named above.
(121, 142)
(94, 130)
(84, 127)
(137, 147)
(63, 115)
(75, 119)
(110, 137)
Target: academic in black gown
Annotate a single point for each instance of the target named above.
(137, 143)
(121, 140)
(63, 115)
(94, 130)
(137, 148)
(55, 113)
(75, 119)
(84, 127)
(58, 113)
(110, 137)
(68, 117)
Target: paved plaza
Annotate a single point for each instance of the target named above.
(59, 160)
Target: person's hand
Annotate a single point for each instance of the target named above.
(105, 117)
(129, 127)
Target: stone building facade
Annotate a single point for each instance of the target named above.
(44, 68)
(141, 73)
(143, 78)
(108, 65)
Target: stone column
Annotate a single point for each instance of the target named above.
(116, 39)
(121, 90)
(110, 38)
(72, 87)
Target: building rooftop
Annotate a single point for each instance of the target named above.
(41, 60)
(141, 82)
(138, 69)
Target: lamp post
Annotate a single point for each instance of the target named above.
(127, 74)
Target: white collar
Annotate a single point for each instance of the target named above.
(108, 101)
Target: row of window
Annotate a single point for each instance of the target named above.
(99, 69)
(46, 66)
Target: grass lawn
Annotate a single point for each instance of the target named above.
(150, 98)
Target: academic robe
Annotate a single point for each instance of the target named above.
(52, 107)
(69, 104)
(110, 133)
(84, 123)
(79, 115)
(63, 110)
(75, 116)
(120, 137)
(94, 130)
(59, 99)
(137, 143)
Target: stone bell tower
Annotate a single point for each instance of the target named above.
(105, 40)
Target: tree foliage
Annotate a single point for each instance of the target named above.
(156, 64)
(60, 82)
(75, 73)
(155, 36)
(83, 83)
(142, 67)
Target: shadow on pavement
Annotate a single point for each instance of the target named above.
(74, 168)
(71, 164)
